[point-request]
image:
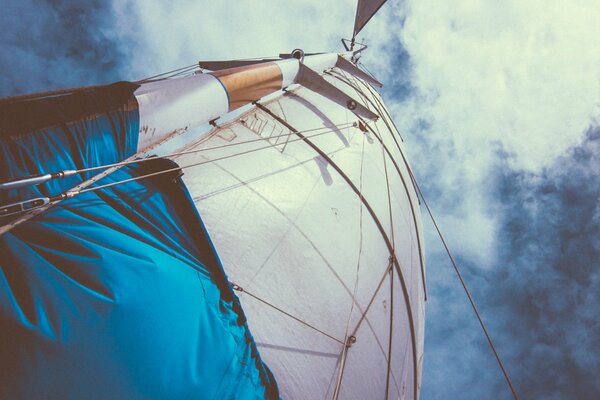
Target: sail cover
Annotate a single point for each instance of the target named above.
(364, 11)
(115, 293)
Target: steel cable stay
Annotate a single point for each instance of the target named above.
(36, 179)
(379, 137)
(455, 266)
(412, 206)
(468, 293)
(240, 289)
(379, 108)
(168, 74)
(39, 202)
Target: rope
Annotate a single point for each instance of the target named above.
(72, 193)
(181, 153)
(242, 290)
(166, 75)
(190, 165)
(468, 293)
(360, 242)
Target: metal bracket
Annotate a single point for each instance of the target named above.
(311, 79)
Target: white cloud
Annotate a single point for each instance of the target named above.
(172, 34)
(524, 74)
(518, 76)
(521, 77)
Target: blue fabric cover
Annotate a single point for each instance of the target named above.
(118, 293)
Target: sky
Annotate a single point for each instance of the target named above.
(499, 104)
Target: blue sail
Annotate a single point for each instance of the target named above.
(116, 293)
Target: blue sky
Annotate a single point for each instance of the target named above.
(499, 106)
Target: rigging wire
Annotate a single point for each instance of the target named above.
(240, 289)
(380, 139)
(33, 203)
(467, 292)
(193, 164)
(68, 173)
(380, 228)
(167, 74)
(463, 283)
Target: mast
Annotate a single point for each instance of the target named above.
(168, 106)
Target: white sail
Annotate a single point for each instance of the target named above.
(297, 225)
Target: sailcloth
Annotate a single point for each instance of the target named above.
(274, 251)
(316, 221)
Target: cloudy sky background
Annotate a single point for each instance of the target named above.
(499, 103)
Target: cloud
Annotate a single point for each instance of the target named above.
(168, 35)
(522, 74)
(519, 78)
(54, 45)
(539, 299)
(549, 284)
(494, 101)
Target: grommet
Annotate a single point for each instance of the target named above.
(298, 54)
(362, 126)
(351, 340)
